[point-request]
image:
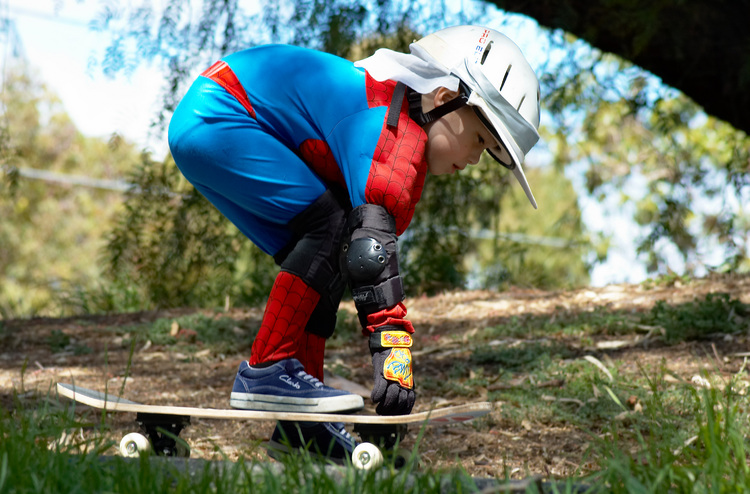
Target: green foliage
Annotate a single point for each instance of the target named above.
(668, 458)
(554, 245)
(445, 246)
(348, 330)
(527, 356)
(716, 313)
(57, 340)
(35, 458)
(175, 246)
(50, 232)
(220, 334)
(669, 279)
(104, 296)
(645, 146)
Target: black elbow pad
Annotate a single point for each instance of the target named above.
(369, 259)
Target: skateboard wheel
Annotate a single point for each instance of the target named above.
(134, 445)
(402, 457)
(367, 456)
(182, 449)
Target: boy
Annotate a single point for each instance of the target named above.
(320, 162)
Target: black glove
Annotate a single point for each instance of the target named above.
(393, 388)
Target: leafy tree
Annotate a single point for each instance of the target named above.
(177, 248)
(601, 111)
(50, 231)
(477, 227)
(699, 47)
(618, 123)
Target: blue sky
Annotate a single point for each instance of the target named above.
(63, 51)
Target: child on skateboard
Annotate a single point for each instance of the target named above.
(321, 162)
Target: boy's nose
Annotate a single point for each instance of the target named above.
(476, 155)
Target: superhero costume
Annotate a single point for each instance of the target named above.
(285, 141)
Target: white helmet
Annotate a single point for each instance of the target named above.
(500, 83)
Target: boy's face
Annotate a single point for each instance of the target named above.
(457, 139)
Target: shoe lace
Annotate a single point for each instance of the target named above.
(339, 426)
(310, 378)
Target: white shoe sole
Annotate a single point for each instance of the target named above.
(274, 403)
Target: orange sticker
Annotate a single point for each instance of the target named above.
(400, 339)
(397, 367)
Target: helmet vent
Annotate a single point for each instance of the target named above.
(505, 77)
(520, 103)
(486, 52)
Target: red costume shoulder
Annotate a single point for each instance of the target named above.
(399, 164)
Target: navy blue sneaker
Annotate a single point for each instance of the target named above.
(286, 387)
(328, 441)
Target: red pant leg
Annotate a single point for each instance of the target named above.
(282, 332)
(312, 354)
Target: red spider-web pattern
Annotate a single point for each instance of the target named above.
(398, 169)
(282, 331)
(223, 75)
(317, 154)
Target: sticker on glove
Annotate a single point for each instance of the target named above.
(397, 367)
(400, 339)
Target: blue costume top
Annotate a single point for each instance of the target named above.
(265, 131)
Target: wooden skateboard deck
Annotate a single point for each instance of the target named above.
(161, 425)
(113, 403)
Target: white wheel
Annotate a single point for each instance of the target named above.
(182, 449)
(367, 456)
(403, 456)
(134, 445)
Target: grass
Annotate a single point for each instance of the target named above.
(647, 430)
(691, 441)
(191, 333)
(659, 457)
(33, 460)
(219, 333)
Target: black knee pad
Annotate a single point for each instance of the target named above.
(322, 322)
(313, 255)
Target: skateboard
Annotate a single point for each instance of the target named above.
(161, 425)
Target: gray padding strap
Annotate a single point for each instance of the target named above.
(376, 298)
(371, 216)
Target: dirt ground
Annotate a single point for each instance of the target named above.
(161, 375)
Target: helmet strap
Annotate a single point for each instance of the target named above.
(415, 106)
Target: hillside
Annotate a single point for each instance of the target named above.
(548, 359)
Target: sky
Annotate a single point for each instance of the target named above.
(61, 48)
(56, 40)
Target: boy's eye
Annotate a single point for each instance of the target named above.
(481, 139)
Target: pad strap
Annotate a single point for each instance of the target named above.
(390, 338)
(371, 298)
(371, 216)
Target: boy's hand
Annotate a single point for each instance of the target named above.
(393, 389)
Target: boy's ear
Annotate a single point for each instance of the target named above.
(444, 95)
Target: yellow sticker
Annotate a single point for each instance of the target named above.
(399, 339)
(397, 367)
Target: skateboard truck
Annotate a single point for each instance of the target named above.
(383, 435)
(163, 431)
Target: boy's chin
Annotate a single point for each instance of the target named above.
(444, 170)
